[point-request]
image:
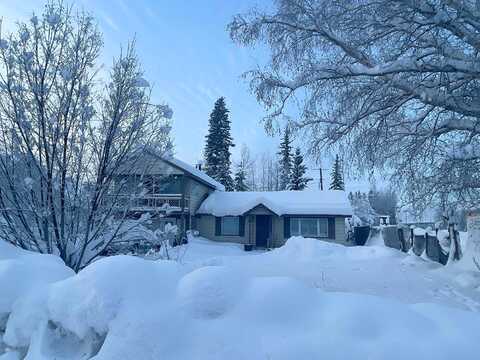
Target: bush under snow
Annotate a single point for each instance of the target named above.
(128, 308)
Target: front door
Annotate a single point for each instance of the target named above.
(262, 230)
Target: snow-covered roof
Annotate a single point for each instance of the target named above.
(200, 175)
(329, 202)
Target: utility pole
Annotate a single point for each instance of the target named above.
(320, 181)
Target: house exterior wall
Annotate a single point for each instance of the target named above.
(206, 227)
(340, 233)
(197, 192)
(278, 238)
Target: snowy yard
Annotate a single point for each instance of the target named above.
(373, 270)
(306, 300)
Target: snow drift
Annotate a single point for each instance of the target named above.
(128, 308)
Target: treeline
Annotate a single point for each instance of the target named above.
(284, 170)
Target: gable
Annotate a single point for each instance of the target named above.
(153, 164)
(260, 210)
(149, 165)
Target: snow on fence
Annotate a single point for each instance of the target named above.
(438, 245)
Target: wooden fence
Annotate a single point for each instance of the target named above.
(405, 239)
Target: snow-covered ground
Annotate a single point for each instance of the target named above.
(306, 300)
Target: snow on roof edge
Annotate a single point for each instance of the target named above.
(195, 172)
(279, 202)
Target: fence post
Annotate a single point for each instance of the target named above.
(473, 243)
(412, 239)
(455, 251)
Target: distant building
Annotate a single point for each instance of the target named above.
(382, 220)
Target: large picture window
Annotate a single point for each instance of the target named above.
(309, 227)
(231, 225)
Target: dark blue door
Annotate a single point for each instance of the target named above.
(263, 224)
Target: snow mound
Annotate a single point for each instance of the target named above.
(209, 292)
(24, 279)
(93, 298)
(8, 251)
(25, 273)
(306, 249)
(128, 308)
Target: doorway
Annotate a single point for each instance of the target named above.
(263, 230)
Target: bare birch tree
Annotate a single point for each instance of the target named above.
(64, 135)
(396, 81)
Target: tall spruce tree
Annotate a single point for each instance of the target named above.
(337, 176)
(285, 162)
(217, 148)
(298, 181)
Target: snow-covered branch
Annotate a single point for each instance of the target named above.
(396, 81)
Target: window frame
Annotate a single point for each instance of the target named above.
(298, 232)
(222, 228)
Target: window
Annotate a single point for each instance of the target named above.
(312, 227)
(231, 225)
(169, 184)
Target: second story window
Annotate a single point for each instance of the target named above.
(162, 184)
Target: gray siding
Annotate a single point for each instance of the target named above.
(206, 227)
(278, 238)
(197, 192)
(340, 236)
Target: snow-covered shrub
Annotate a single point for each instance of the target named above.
(66, 134)
(138, 239)
(363, 213)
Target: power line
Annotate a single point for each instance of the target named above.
(320, 182)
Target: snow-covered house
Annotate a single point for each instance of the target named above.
(268, 219)
(177, 193)
(165, 187)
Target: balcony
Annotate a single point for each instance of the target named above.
(169, 203)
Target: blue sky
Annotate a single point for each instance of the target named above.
(188, 57)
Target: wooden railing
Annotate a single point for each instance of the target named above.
(152, 202)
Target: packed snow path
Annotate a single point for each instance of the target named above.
(372, 270)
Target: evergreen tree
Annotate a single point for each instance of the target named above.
(240, 181)
(337, 176)
(298, 181)
(285, 163)
(217, 148)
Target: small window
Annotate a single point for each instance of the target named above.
(231, 225)
(309, 227)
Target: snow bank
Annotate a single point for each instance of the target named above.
(24, 278)
(375, 237)
(23, 272)
(128, 308)
(304, 249)
(331, 202)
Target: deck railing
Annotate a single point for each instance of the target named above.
(152, 202)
